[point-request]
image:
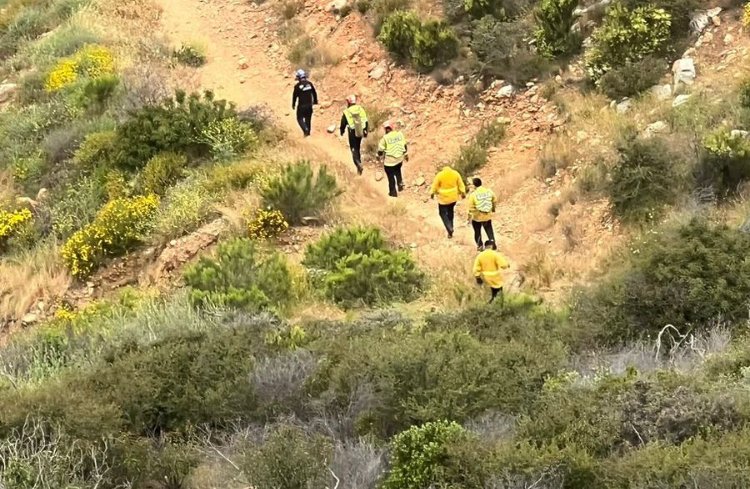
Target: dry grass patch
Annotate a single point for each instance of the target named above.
(33, 276)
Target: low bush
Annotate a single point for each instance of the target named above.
(644, 180)
(554, 28)
(92, 61)
(633, 78)
(118, 226)
(473, 156)
(177, 125)
(503, 10)
(161, 172)
(266, 224)
(96, 149)
(76, 206)
(185, 207)
(239, 278)
(627, 36)
(190, 55)
(689, 277)
(725, 163)
(237, 176)
(297, 192)
(420, 457)
(425, 44)
(289, 458)
(502, 50)
(354, 266)
(228, 138)
(680, 11)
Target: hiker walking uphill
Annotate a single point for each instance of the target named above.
(488, 267)
(354, 120)
(482, 202)
(303, 98)
(392, 152)
(449, 186)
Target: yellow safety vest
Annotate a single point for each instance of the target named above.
(393, 145)
(488, 265)
(349, 113)
(448, 184)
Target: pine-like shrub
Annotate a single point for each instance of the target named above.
(161, 172)
(633, 78)
(177, 125)
(426, 45)
(725, 163)
(240, 278)
(354, 266)
(297, 192)
(118, 226)
(420, 457)
(554, 28)
(644, 180)
(627, 36)
(266, 224)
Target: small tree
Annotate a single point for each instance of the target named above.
(554, 34)
(299, 193)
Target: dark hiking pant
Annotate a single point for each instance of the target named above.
(495, 294)
(478, 225)
(446, 214)
(304, 119)
(395, 180)
(354, 144)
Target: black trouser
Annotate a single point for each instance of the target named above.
(478, 225)
(446, 214)
(495, 293)
(394, 178)
(354, 145)
(304, 118)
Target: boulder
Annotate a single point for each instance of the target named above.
(7, 90)
(378, 176)
(242, 63)
(684, 72)
(679, 100)
(337, 6)
(728, 39)
(419, 182)
(624, 106)
(662, 92)
(739, 133)
(331, 129)
(30, 318)
(378, 72)
(507, 91)
(657, 127)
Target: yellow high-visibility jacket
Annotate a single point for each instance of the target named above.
(393, 146)
(448, 185)
(481, 198)
(488, 265)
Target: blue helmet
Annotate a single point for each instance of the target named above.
(300, 74)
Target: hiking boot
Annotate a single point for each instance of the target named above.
(392, 195)
(360, 169)
(480, 248)
(450, 234)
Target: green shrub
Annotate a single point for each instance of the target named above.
(502, 50)
(97, 149)
(289, 458)
(420, 457)
(118, 226)
(627, 36)
(76, 206)
(680, 11)
(177, 125)
(687, 277)
(725, 162)
(503, 10)
(426, 45)
(473, 156)
(95, 93)
(554, 28)
(186, 206)
(745, 94)
(353, 266)
(228, 138)
(644, 180)
(161, 172)
(190, 55)
(297, 192)
(239, 278)
(632, 78)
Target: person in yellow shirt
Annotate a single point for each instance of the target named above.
(488, 267)
(449, 187)
(482, 202)
(392, 152)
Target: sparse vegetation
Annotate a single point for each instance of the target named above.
(425, 45)
(473, 156)
(190, 55)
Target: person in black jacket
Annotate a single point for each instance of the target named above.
(303, 99)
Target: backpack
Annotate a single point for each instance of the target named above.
(359, 129)
(483, 201)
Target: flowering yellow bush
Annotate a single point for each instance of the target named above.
(746, 15)
(62, 75)
(118, 225)
(267, 224)
(93, 61)
(12, 222)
